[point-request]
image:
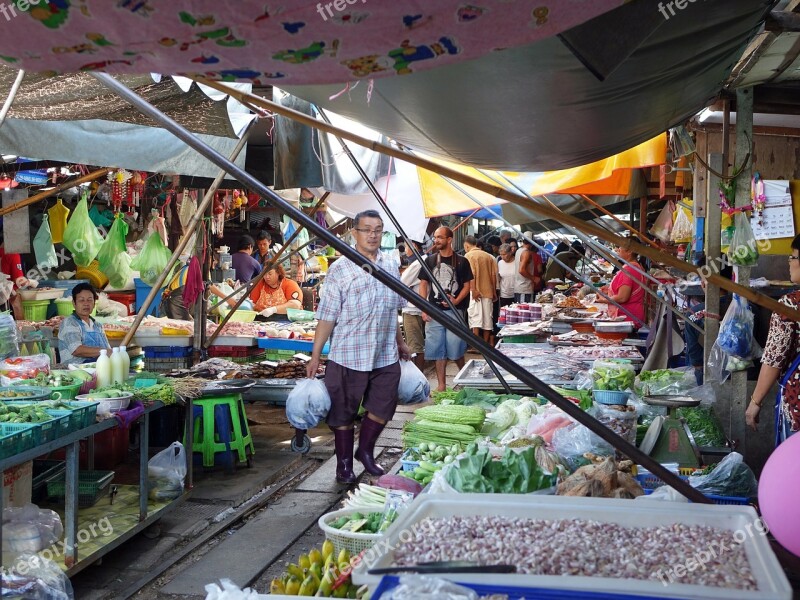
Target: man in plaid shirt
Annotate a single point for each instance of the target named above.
(359, 315)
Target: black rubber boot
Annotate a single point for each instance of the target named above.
(344, 440)
(370, 430)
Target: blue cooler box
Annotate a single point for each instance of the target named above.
(142, 289)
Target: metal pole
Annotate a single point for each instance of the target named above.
(417, 256)
(253, 282)
(11, 95)
(400, 289)
(196, 219)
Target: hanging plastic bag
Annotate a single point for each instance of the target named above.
(683, 229)
(662, 228)
(414, 386)
(113, 255)
(152, 260)
(81, 236)
(43, 246)
(743, 250)
(308, 404)
(736, 330)
(166, 472)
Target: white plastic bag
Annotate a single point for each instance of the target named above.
(414, 386)
(662, 228)
(43, 580)
(683, 230)
(166, 472)
(308, 404)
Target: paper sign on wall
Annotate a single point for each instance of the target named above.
(778, 217)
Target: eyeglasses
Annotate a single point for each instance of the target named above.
(371, 232)
(794, 257)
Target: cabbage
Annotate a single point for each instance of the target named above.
(499, 421)
(524, 412)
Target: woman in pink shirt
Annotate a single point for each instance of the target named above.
(625, 291)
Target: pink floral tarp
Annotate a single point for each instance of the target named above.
(266, 41)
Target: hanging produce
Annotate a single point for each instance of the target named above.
(81, 236)
(113, 256)
(152, 260)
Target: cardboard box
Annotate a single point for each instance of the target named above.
(17, 485)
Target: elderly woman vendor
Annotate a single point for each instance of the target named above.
(274, 294)
(80, 337)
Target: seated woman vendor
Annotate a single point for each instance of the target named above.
(625, 291)
(274, 294)
(80, 337)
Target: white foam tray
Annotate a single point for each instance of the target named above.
(772, 582)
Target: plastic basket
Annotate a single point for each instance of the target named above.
(82, 413)
(408, 463)
(295, 314)
(35, 310)
(246, 360)
(16, 438)
(43, 471)
(243, 316)
(91, 485)
(68, 392)
(63, 419)
(165, 365)
(650, 482)
(93, 273)
(610, 397)
(64, 307)
(522, 339)
(31, 393)
(167, 351)
(354, 543)
(278, 354)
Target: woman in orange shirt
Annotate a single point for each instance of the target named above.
(274, 294)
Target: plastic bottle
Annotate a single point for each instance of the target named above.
(126, 363)
(117, 366)
(103, 369)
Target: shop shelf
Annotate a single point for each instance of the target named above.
(91, 486)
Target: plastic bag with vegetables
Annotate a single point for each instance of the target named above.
(743, 250)
(730, 477)
(736, 330)
(613, 375)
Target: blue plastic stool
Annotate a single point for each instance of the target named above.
(220, 427)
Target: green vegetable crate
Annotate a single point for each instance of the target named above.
(16, 438)
(83, 413)
(91, 486)
(407, 462)
(68, 392)
(46, 431)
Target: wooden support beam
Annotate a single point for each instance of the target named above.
(53, 191)
(712, 247)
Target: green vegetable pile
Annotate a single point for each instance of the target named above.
(107, 393)
(28, 413)
(55, 379)
(163, 392)
(514, 473)
(704, 426)
(471, 397)
(615, 376)
(664, 382)
(431, 459)
(583, 397)
(374, 522)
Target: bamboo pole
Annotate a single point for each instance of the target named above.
(56, 190)
(253, 282)
(196, 219)
(11, 96)
(503, 194)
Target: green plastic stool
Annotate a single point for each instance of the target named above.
(220, 426)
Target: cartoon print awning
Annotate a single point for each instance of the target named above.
(297, 42)
(610, 176)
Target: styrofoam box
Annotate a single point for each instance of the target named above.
(772, 583)
(149, 341)
(234, 340)
(614, 327)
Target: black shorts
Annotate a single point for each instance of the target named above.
(347, 388)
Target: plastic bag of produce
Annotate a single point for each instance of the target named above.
(571, 443)
(743, 250)
(18, 369)
(665, 382)
(662, 228)
(43, 580)
(166, 472)
(729, 477)
(308, 404)
(414, 386)
(9, 336)
(152, 260)
(113, 256)
(424, 587)
(613, 375)
(683, 229)
(81, 236)
(28, 529)
(619, 419)
(736, 330)
(43, 247)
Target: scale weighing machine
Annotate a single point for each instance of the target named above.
(668, 439)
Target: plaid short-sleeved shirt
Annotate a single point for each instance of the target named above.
(365, 312)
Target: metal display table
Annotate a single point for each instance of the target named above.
(142, 515)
